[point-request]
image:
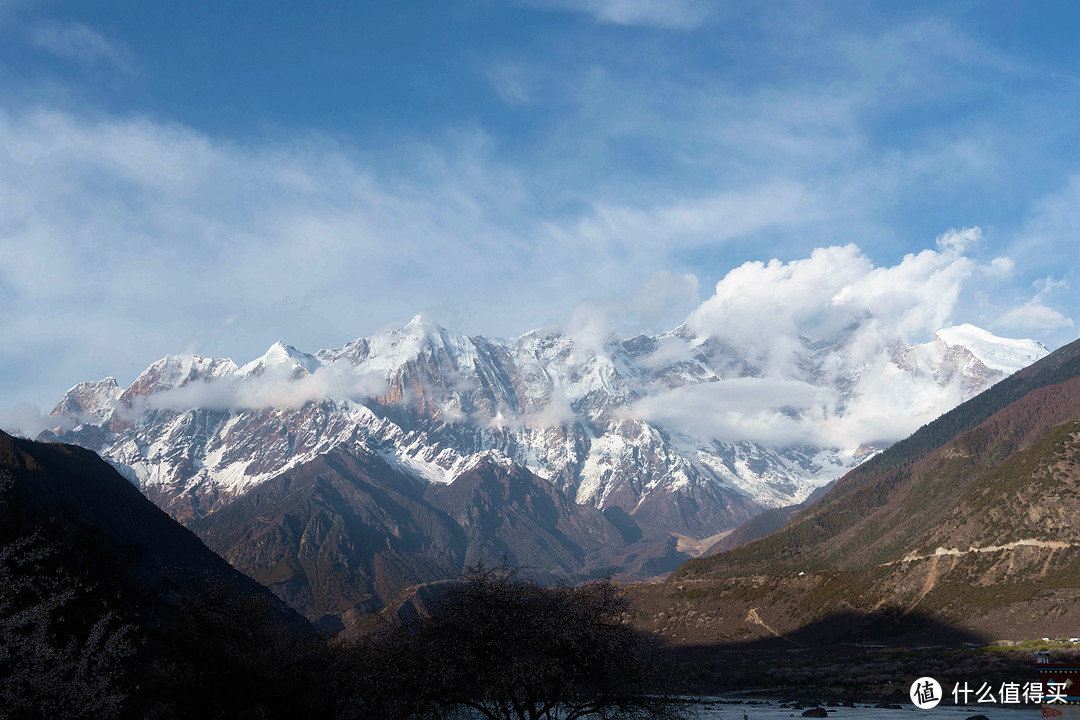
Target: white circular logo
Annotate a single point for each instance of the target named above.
(925, 693)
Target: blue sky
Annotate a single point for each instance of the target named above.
(211, 177)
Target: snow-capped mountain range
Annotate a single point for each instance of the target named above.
(683, 433)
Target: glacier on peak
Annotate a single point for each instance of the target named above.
(281, 359)
(1003, 354)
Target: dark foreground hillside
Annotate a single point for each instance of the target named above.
(110, 609)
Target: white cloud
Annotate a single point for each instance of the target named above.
(651, 306)
(1033, 315)
(25, 420)
(670, 350)
(75, 41)
(769, 411)
(960, 241)
(668, 14)
(272, 389)
(822, 333)
(888, 406)
(1002, 267)
(834, 295)
(557, 412)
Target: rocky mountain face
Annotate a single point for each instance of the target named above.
(423, 448)
(970, 523)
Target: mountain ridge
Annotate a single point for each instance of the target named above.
(559, 417)
(421, 405)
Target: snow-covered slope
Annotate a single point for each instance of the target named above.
(89, 401)
(1002, 354)
(681, 432)
(282, 360)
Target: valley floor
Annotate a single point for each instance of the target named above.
(860, 673)
(719, 708)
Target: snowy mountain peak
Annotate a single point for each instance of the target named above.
(281, 359)
(387, 352)
(89, 400)
(174, 371)
(422, 324)
(655, 423)
(428, 334)
(1005, 355)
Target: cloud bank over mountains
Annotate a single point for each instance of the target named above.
(278, 388)
(826, 351)
(768, 307)
(812, 327)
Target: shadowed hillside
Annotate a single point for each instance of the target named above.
(109, 608)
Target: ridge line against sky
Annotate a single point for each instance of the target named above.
(210, 178)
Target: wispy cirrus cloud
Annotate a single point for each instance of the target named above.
(666, 14)
(82, 44)
(152, 232)
(715, 218)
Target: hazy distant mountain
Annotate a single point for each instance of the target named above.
(675, 437)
